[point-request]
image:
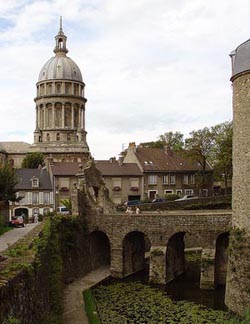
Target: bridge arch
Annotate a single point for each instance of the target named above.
(99, 249)
(221, 259)
(134, 247)
(175, 257)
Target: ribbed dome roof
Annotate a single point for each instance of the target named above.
(241, 58)
(60, 67)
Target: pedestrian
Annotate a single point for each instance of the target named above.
(137, 210)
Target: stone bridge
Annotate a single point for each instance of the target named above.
(126, 242)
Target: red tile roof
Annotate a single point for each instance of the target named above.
(114, 168)
(155, 159)
(65, 168)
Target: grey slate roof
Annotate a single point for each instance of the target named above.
(25, 176)
(113, 168)
(241, 58)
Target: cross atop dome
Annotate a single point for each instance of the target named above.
(61, 40)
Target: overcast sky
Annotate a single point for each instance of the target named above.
(149, 66)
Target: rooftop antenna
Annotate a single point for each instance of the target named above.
(60, 30)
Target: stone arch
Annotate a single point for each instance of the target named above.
(99, 249)
(134, 247)
(175, 257)
(221, 259)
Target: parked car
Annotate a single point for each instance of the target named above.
(17, 221)
(158, 200)
(186, 197)
(62, 210)
(132, 203)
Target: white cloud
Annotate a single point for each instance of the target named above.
(149, 66)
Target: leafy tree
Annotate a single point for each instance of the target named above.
(173, 139)
(222, 152)
(199, 148)
(8, 180)
(33, 160)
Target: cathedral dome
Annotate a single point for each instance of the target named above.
(60, 67)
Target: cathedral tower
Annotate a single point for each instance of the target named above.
(238, 277)
(60, 108)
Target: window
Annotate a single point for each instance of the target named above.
(165, 179)
(172, 179)
(134, 184)
(35, 182)
(189, 192)
(192, 179)
(179, 192)
(152, 179)
(168, 192)
(117, 184)
(35, 198)
(46, 198)
(185, 179)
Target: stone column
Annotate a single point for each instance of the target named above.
(72, 115)
(157, 266)
(116, 267)
(207, 269)
(37, 118)
(53, 115)
(63, 115)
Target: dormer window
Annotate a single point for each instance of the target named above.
(35, 182)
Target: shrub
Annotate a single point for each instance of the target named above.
(171, 197)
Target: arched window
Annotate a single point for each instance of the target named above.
(48, 137)
(58, 136)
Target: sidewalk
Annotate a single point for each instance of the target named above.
(74, 312)
(14, 235)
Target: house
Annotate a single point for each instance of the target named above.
(123, 180)
(166, 171)
(64, 178)
(34, 190)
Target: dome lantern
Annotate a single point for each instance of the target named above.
(61, 40)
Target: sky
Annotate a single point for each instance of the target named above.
(149, 66)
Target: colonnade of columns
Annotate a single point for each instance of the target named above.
(60, 115)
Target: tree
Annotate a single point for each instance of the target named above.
(8, 180)
(222, 152)
(173, 139)
(199, 148)
(33, 160)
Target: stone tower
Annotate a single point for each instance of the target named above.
(60, 108)
(238, 277)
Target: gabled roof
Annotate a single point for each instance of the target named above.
(25, 176)
(66, 168)
(114, 168)
(164, 160)
(15, 147)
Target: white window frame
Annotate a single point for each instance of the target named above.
(165, 179)
(172, 177)
(185, 179)
(180, 192)
(168, 191)
(156, 193)
(189, 191)
(152, 177)
(192, 179)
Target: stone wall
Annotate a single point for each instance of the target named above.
(238, 278)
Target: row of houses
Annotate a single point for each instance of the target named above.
(141, 173)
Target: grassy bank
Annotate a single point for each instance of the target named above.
(90, 307)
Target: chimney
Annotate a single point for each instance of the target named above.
(132, 146)
(112, 160)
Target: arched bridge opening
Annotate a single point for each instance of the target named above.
(99, 249)
(221, 259)
(136, 246)
(175, 257)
